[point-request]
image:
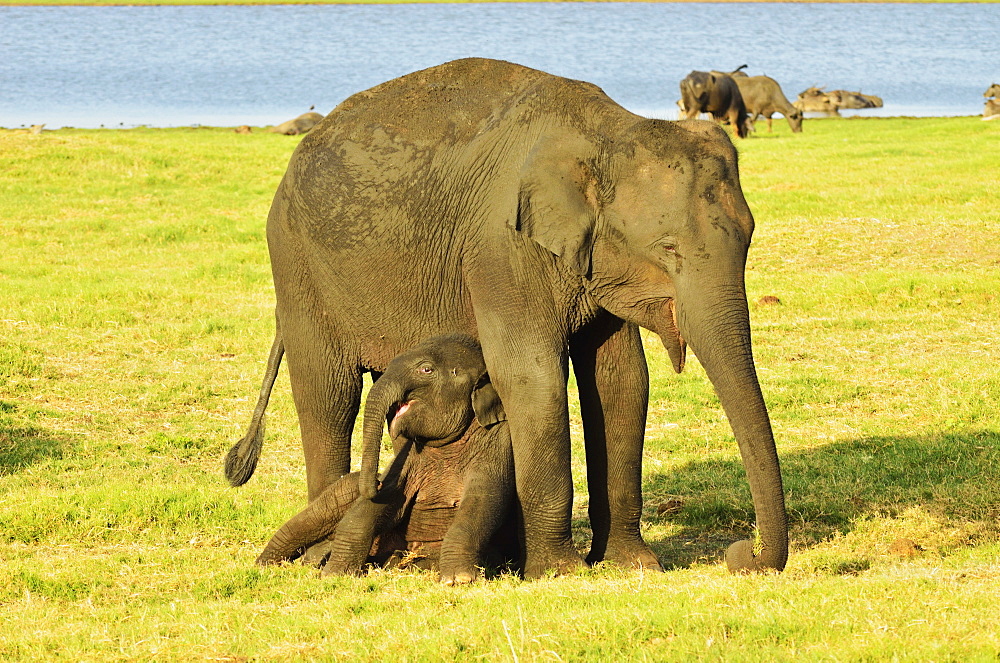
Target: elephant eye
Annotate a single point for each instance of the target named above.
(669, 247)
(426, 369)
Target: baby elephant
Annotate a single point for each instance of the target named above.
(448, 493)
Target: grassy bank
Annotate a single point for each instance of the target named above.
(135, 315)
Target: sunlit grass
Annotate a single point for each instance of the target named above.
(136, 312)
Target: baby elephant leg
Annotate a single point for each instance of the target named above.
(368, 518)
(486, 499)
(356, 533)
(314, 523)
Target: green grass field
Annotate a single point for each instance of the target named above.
(135, 316)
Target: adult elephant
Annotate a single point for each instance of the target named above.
(536, 214)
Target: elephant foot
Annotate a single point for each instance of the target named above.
(342, 567)
(317, 554)
(562, 560)
(630, 552)
(322, 556)
(459, 577)
(456, 565)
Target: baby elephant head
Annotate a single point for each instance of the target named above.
(429, 395)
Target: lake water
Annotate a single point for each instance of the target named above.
(232, 65)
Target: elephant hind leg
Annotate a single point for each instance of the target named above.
(613, 382)
(316, 522)
(326, 385)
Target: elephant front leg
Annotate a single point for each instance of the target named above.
(368, 518)
(352, 543)
(524, 347)
(613, 381)
(539, 428)
(486, 500)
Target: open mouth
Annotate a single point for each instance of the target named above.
(396, 411)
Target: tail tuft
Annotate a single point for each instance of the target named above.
(241, 460)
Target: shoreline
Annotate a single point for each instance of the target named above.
(208, 3)
(850, 114)
(263, 128)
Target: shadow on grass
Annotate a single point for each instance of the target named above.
(23, 444)
(952, 475)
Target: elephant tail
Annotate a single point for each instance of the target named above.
(241, 460)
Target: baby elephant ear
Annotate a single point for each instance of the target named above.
(486, 403)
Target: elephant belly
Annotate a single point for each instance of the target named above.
(429, 524)
(415, 542)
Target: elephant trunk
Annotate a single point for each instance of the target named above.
(384, 396)
(719, 335)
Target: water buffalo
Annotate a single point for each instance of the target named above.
(714, 92)
(815, 100)
(991, 111)
(846, 99)
(763, 96)
(299, 125)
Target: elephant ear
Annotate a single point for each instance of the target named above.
(486, 403)
(557, 203)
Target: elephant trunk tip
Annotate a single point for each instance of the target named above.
(369, 490)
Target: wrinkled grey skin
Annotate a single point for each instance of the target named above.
(537, 215)
(447, 491)
(300, 125)
(716, 93)
(763, 96)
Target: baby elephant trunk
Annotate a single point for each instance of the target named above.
(385, 395)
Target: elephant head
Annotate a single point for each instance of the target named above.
(429, 395)
(656, 226)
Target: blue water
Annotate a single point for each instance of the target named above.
(226, 66)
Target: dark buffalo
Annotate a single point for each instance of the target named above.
(763, 96)
(714, 92)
